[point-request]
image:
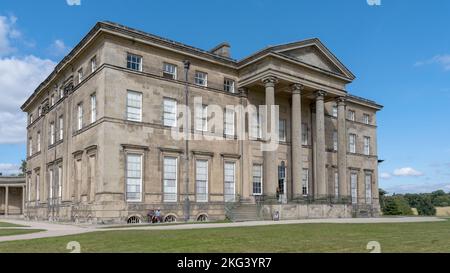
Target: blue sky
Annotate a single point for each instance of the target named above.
(399, 52)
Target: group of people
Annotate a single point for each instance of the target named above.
(154, 216)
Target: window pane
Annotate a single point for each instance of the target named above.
(257, 182)
(134, 177)
(170, 179)
(229, 183)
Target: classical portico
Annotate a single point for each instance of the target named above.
(12, 195)
(298, 94)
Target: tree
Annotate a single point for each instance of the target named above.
(396, 205)
(426, 207)
(23, 167)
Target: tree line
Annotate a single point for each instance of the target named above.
(425, 203)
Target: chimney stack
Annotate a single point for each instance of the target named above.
(222, 49)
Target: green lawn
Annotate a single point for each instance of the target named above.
(8, 232)
(405, 237)
(4, 224)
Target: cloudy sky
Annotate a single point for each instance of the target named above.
(399, 52)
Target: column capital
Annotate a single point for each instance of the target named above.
(341, 101)
(320, 94)
(297, 88)
(270, 81)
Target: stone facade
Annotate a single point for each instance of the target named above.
(80, 137)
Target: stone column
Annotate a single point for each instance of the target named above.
(23, 199)
(296, 125)
(6, 200)
(320, 144)
(270, 166)
(342, 149)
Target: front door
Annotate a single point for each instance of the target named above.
(282, 196)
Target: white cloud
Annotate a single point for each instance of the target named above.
(385, 176)
(8, 168)
(19, 76)
(59, 48)
(18, 79)
(407, 171)
(442, 60)
(8, 31)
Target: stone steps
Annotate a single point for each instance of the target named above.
(245, 212)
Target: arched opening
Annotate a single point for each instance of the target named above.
(170, 218)
(134, 220)
(202, 218)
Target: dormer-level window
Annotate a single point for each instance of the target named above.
(366, 119)
(31, 118)
(52, 100)
(201, 78)
(80, 75)
(61, 92)
(39, 111)
(134, 62)
(170, 71)
(94, 64)
(351, 115)
(228, 85)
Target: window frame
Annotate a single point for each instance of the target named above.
(229, 85)
(282, 137)
(137, 63)
(61, 127)
(165, 199)
(128, 106)
(52, 133)
(260, 182)
(368, 187)
(305, 134)
(366, 144)
(354, 187)
(140, 178)
(93, 99)
(335, 140)
(167, 114)
(93, 64)
(79, 116)
(351, 115)
(198, 80)
(203, 118)
(229, 127)
(80, 75)
(305, 182)
(203, 199)
(352, 145)
(366, 119)
(334, 110)
(168, 74)
(225, 182)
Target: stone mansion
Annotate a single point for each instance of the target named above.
(101, 146)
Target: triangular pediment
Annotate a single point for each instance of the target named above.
(314, 53)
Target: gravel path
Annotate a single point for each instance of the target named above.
(54, 230)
